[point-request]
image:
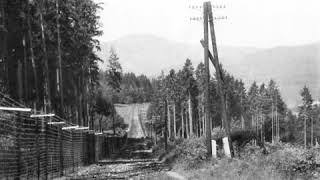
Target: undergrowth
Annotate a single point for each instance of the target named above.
(283, 161)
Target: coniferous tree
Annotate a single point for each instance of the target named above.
(190, 90)
(305, 111)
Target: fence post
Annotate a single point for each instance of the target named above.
(45, 131)
(18, 150)
(72, 151)
(214, 148)
(226, 147)
(38, 148)
(96, 140)
(60, 150)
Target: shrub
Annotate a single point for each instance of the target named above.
(188, 153)
(295, 161)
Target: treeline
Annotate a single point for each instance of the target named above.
(260, 107)
(129, 88)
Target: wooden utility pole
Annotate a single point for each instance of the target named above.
(207, 79)
(225, 120)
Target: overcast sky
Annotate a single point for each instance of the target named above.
(256, 23)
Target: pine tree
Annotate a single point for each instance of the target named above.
(305, 110)
(189, 90)
(253, 100)
(114, 71)
(200, 78)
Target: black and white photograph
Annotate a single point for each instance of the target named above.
(160, 89)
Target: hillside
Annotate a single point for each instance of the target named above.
(291, 67)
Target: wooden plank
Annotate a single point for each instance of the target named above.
(82, 128)
(15, 109)
(69, 127)
(56, 123)
(42, 115)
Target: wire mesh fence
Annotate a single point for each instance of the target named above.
(32, 148)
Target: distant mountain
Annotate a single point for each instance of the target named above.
(291, 67)
(149, 54)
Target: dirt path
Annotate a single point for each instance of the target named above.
(132, 162)
(123, 170)
(136, 130)
(130, 113)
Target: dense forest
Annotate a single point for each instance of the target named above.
(48, 58)
(259, 108)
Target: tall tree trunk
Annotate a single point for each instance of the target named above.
(277, 121)
(47, 96)
(203, 122)
(174, 120)
(81, 117)
(25, 68)
(3, 44)
(166, 127)
(169, 119)
(18, 119)
(305, 132)
(34, 70)
(272, 119)
(100, 123)
(113, 123)
(242, 119)
(182, 121)
(190, 115)
(311, 131)
(19, 79)
(59, 60)
(199, 121)
(187, 124)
